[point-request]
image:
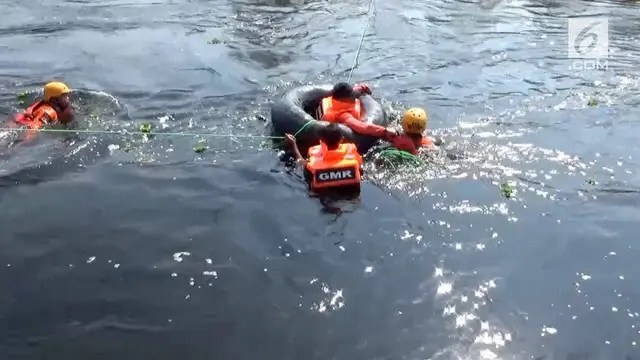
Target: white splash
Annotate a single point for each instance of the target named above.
(178, 256)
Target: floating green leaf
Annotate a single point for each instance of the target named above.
(507, 190)
(200, 148)
(22, 98)
(145, 128)
(592, 102)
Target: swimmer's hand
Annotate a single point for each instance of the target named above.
(291, 140)
(362, 89)
(390, 133)
(67, 115)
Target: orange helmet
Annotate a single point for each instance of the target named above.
(55, 89)
(414, 121)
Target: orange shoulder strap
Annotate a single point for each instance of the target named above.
(327, 104)
(328, 113)
(349, 148)
(314, 152)
(31, 109)
(352, 149)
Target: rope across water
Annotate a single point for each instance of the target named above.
(364, 32)
(143, 132)
(124, 132)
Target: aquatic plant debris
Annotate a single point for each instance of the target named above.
(507, 190)
(216, 41)
(200, 148)
(22, 98)
(400, 155)
(592, 102)
(145, 128)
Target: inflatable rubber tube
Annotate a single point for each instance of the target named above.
(298, 106)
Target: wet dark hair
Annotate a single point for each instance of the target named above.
(342, 91)
(331, 136)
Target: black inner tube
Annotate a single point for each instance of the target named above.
(297, 110)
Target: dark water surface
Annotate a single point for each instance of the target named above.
(161, 253)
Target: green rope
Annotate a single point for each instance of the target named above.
(123, 132)
(399, 154)
(304, 127)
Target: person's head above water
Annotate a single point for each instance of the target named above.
(57, 93)
(342, 91)
(331, 136)
(414, 121)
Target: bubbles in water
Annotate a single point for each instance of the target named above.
(333, 301)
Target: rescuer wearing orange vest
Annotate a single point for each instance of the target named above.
(344, 107)
(53, 108)
(414, 124)
(331, 164)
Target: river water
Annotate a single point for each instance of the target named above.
(121, 247)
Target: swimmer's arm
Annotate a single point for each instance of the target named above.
(299, 158)
(361, 90)
(359, 93)
(362, 127)
(291, 140)
(67, 116)
(429, 142)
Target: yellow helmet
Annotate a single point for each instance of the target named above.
(414, 121)
(55, 89)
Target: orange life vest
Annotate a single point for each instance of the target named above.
(411, 145)
(33, 116)
(331, 109)
(333, 168)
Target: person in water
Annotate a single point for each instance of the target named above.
(344, 107)
(54, 108)
(331, 164)
(412, 139)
